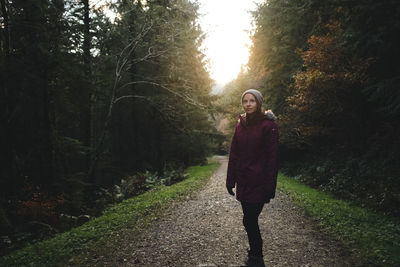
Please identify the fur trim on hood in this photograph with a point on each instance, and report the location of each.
(270, 115)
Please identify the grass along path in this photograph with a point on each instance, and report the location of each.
(105, 229)
(375, 237)
(207, 230)
(289, 237)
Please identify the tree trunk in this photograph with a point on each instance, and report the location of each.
(86, 36)
(6, 158)
(38, 90)
(89, 96)
(6, 28)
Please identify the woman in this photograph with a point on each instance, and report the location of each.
(252, 167)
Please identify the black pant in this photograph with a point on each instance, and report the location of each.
(251, 211)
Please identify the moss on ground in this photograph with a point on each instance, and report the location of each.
(375, 237)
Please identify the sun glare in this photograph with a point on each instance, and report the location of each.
(226, 23)
(227, 53)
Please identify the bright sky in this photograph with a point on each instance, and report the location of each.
(226, 23)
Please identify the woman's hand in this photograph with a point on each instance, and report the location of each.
(230, 190)
(269, 196)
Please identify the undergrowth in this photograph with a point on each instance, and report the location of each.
(121, 216)
(375, 237)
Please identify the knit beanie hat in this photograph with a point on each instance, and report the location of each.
(256, 94)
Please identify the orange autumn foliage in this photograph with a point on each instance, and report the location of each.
(41, 206)
(324, 91)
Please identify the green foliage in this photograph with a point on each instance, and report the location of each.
(370, 33)
(141, 182)
(121, 216)
(375, 237)
(172, 176)
(172, 89)
(280, 28)
(134, 185)
(328, 70)
(359, 178)
(85, 102)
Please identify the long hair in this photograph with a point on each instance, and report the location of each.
(257, 116)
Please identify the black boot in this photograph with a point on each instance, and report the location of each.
(254, 261)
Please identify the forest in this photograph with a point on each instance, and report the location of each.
(95, 110)
(329, 70)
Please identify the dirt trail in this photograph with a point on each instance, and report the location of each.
(207, 230)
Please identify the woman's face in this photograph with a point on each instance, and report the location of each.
(249, 103)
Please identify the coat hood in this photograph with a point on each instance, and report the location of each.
(268, 114)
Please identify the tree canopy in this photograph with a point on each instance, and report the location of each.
(86, 101)
(328, 70)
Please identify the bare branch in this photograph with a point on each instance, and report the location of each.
(131, 46)
(148, 56)
(130, 96)
(182, 96)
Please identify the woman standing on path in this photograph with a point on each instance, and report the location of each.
(252, 167)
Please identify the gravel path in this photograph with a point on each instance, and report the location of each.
(206, 230)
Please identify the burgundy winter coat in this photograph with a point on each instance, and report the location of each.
(253, 160)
